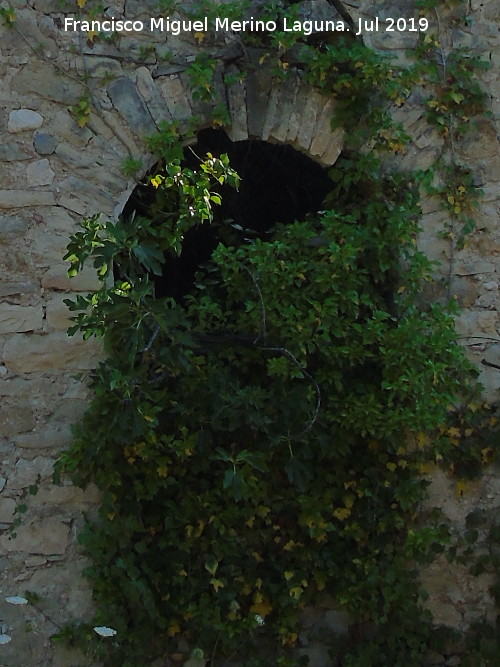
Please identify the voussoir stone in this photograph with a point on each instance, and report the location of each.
(131, 106)
(24, 119)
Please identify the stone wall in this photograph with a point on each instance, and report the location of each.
(54, 172)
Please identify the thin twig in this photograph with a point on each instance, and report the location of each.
(151, 340)
(262, 332)
(305, 373)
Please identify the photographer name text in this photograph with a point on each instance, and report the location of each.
(177, 26)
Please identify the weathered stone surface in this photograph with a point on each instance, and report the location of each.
(57, 312)
(271, 114)
(175, 97)
(84, 190)
(11, 227)
(57, 278)
(16, 418)
(151, 95)
(236, 95)
(297, 113)
(62, 495)
(44, 143)
(20, 318)
(476, 322)
(258, 89)
(21, 198)
(40, 78)
(63, 126)
(48, 537)
(131, 106)
(39, 173)
(100, 67)
(21, 120)
(70, 410)
(314, 105)
(74, 156)
(474, 267)
(322, 131)
(333, 148)
(26, 472)
(51, 353)
(11, 151)
(481, 142)
(288, 93)
(48, 439)
(7, 507)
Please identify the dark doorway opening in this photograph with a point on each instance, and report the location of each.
(278, 185)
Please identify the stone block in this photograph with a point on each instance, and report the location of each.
(131, 106)
(47, 537)
(74, 157)
(50, 353)
(236, 95)
(295, 120)
(63, 126)
(258, 88)
(44, 144)
(312, 110)
(26, 472)
(474, 267)
(57, 278)
(473, 323)
(87, 192)
(7, 508)
(480, 142)
(15, 319)
(333, 148)
(39, 77)
(21, 120)
(323, 129)
(15, 419)
(288, 93)
(63, 495)
(39, 173)
(48, 439)
(21, 198)
(12, 151)
(175, 97)
(270, 118)
(151, 95)
(57, 312)
(12, 227)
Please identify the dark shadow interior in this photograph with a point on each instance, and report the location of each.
(278, 185)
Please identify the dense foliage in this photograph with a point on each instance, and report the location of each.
(253, 442)
(259, 443)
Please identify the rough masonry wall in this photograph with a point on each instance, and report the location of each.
(54, 172)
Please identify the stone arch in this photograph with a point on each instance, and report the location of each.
(290, 112)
